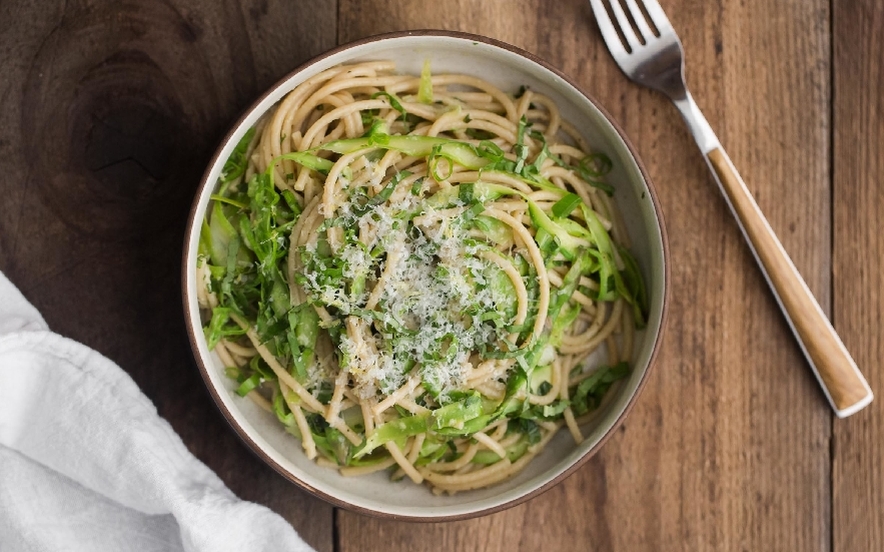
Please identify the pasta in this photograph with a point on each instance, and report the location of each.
(410, 273)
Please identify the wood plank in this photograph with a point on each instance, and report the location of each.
(109, 115)
(728, 446)
(858, 250)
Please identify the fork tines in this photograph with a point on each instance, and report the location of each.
(644, 21)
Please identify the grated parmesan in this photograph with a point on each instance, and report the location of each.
(434, 290)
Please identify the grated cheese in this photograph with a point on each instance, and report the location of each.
(434, 292)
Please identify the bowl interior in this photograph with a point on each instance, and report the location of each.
(376, 494)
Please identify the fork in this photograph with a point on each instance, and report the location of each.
(647, 49)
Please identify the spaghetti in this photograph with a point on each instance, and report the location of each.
(411, 273)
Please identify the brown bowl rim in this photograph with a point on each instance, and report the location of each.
(257, 450)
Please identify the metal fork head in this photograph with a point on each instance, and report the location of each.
(643, 43)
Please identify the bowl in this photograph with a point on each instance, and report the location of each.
(509, 68)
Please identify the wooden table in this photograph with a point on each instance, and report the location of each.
(110, 111)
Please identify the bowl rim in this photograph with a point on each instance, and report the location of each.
(193, 225)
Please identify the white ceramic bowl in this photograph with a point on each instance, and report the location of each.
(509, 68)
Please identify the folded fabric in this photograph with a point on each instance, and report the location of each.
(86, 463)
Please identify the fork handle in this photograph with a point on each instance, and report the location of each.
(844, 385)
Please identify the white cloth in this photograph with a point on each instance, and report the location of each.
(86, 463)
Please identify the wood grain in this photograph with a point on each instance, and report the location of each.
(858, 264)
(728, 447)
(110, 112)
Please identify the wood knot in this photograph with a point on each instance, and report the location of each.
(118, 127)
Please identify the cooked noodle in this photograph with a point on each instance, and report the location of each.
(411, 273)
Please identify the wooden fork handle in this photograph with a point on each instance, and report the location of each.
(844, 385)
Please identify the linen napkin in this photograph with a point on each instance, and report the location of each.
(86, 463)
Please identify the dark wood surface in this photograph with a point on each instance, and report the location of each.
(858, 264)
(109, 112)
